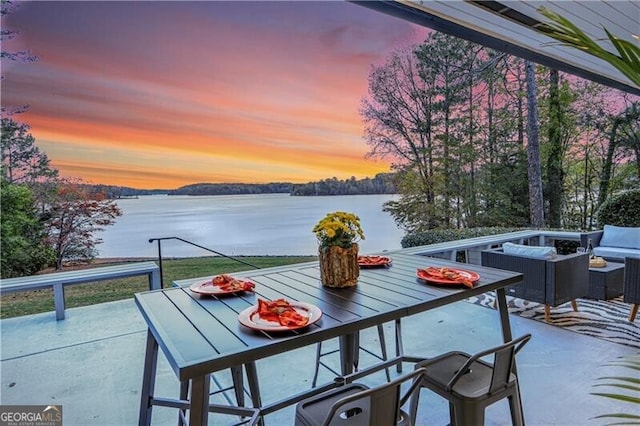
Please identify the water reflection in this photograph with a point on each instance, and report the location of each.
(271, 224)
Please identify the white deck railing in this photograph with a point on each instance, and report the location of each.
(473, 246)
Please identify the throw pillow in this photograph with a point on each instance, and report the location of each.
(529, 251)
(620, 236)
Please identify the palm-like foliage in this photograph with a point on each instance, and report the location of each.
(627, 61)
(630, 384)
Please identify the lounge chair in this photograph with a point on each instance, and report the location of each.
(551, 281)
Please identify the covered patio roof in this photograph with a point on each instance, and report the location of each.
(510, 26)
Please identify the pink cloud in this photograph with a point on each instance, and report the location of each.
(275, 86)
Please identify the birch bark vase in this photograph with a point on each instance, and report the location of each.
(339, 266)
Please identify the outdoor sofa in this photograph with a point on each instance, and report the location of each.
(548, 278)
(613, 243)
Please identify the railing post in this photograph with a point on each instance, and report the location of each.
(159, 240)
(151, 240)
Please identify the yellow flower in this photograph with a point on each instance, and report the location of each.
(339, 229)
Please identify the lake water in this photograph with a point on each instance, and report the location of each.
(268, 224)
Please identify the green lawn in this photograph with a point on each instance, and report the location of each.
(32, 302)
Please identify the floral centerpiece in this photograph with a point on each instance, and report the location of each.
(338, 234)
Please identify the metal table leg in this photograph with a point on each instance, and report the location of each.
(254, 387)
(148, 380)
(399, 346)
(199, 403)
(507, 336)
(238, 384)
(184, 395)
(504, 315)
(348, 350)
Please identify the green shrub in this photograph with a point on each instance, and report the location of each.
(622, 209)
(443, 235)
(435, 236)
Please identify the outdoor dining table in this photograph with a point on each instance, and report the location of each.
(200, 334)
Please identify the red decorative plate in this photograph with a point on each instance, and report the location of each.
(208, 288)
(251, 318)
(374, 261)
(469, 275)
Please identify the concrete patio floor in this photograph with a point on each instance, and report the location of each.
(91, 364)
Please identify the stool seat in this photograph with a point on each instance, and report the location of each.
(476, 384)
(471, 384)
(313, 411)
(358, 405)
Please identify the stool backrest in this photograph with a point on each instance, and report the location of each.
(503, 361)
(378, 406)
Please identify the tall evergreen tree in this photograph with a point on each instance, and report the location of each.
(555, 172)
(22, 160)
(446, 62)
(418, 113)
(625, 134)
(536, 201)
(24, 251)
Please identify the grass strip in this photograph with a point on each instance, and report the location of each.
(37, 301)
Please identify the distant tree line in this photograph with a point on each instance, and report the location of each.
(382, 183)
(232, 188)
(114, 191)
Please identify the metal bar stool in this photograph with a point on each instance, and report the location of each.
(382, 356)
(470, 384)
(356, 404)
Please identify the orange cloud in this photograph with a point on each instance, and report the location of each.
(163, 94)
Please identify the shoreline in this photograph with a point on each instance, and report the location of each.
(103, 260)
(110, 260)
(126, 258)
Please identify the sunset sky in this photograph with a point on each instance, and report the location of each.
(162, 94)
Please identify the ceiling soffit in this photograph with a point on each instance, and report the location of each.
(510, 26)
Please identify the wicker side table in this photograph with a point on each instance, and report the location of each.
(606, 283)
(632, 284)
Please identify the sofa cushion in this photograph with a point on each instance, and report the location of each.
(620, 236)
(615, 253)
(529, 251)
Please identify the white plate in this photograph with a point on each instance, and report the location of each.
(208, 288)
(250, 317)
